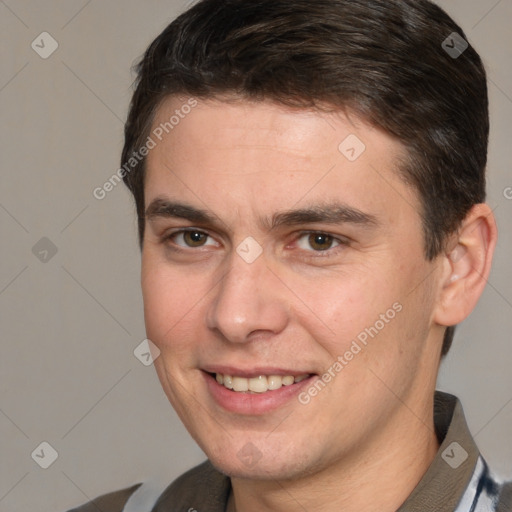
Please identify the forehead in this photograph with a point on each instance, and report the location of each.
(243, 122)
(262, 154)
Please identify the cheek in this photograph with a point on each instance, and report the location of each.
(338, 307)
(172, 302)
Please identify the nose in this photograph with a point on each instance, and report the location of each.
(248, 302)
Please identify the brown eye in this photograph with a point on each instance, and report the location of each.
(320, 241)
(194, 238)
(191, 238)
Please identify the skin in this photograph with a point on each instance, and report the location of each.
(366, 439)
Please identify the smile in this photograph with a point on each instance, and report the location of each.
(258, 384)
(255, 391)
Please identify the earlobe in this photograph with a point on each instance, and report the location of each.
(467, 264)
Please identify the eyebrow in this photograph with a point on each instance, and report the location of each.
(330, 213)
(169, 209)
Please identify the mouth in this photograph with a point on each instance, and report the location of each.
(255, 392)
(257, 384)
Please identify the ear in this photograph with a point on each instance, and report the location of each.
(467, 264)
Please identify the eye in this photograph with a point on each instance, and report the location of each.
(191, 238)
(317, 241)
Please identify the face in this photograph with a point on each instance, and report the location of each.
(281, 260)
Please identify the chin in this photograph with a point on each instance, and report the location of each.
(235, 469)
(269, 463)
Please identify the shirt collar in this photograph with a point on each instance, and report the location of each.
(443, 485)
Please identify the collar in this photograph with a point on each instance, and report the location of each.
(444, 484)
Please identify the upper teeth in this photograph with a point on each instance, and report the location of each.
(258, 384)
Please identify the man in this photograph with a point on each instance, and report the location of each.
(309, 180)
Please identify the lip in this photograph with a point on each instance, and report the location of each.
(254, 371)
(254, 403)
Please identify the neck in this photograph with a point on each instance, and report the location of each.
(378, 476)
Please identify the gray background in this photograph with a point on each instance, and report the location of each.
(69, 324)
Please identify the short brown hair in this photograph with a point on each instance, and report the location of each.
(384, 60)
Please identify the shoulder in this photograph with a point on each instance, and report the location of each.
(201, 488)
(505, 499)
(111, 502)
